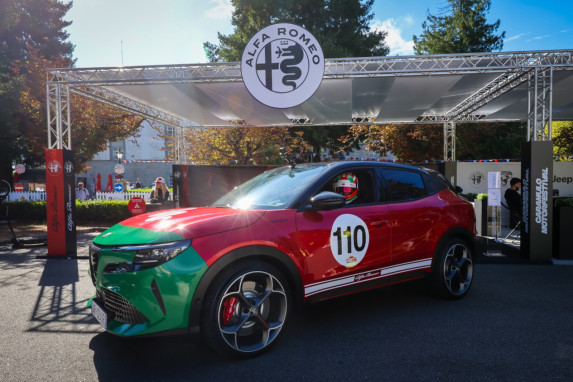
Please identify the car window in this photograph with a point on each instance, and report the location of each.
(402, 185)
(364, 192)
(273, 189)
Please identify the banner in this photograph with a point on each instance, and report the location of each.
(61, 203)
(537, 196)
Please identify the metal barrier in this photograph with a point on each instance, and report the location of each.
(32, 196)
(122, 195)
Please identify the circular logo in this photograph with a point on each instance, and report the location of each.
(54, 168)
(476, 178)
(282, 65)
(68, 167)
(349, 239)
(119, 169)
(20, 168)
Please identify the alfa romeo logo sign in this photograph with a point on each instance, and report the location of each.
(282, 65)
(54, 167)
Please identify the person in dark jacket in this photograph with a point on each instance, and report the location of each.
(159, 193)
(513, 199)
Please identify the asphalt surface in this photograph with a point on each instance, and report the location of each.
(516, 324)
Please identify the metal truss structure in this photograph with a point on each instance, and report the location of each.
(449, 141)
(514, 68)
(539, 105)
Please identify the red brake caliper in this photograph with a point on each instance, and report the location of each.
(229, 309)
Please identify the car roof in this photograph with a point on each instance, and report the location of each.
(346, 164)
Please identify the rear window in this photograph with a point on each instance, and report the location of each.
(403, 185)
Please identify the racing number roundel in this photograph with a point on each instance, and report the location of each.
(349, 239)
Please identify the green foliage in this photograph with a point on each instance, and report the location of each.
(102, 211)
(27, 27)
(462, 30)
(562, 132)
(108, 211)
(481, 196)
(496, 140)
(564, 202)
(341, 26)
(469, 196)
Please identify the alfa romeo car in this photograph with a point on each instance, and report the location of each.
(233, 272)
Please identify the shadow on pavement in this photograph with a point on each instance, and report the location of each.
(57, 307)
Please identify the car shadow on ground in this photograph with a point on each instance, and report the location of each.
(323, 332)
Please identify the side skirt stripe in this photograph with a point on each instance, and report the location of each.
(358, 278)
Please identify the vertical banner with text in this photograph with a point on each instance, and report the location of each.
(60, 203)
(537, 194)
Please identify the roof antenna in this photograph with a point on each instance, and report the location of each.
(290, 161)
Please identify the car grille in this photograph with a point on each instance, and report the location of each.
(121, 310)
(94, 259)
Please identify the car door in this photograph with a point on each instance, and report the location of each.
(411, 215)
(340, 246)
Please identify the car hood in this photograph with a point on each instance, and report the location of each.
(177, 224)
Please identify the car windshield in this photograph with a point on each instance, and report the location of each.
(273, 189)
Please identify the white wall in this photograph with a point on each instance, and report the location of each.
(147, 146)
(472, 176)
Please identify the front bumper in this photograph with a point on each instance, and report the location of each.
(147, 301)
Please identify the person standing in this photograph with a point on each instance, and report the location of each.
(159, 193)
(82, 194)
(513, 199)
(137, 184)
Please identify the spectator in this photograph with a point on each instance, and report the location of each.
(513, 199)
(137, 184)
(82, 194)
(159, 193)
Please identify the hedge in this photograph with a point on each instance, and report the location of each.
(108, 211)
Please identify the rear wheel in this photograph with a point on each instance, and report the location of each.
(246, 309)
(452, 270)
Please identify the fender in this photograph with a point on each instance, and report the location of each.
(271, 255)
(460, 232)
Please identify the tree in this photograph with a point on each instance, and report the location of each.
(563, 139)
(25, 25)
(33, 40)
(463, 30)
(341, 26)
(242, 145)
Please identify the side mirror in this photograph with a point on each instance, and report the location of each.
(327, 200)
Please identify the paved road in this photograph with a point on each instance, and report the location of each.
(515, 325)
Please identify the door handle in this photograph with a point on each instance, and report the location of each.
(379, 223)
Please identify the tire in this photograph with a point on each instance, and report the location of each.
(452, 270)
(246, 309)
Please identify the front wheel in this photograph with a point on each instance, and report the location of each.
(452, 270)
(246, 309)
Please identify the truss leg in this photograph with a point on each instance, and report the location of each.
(539, 117)
(59, 127)
(449, 141)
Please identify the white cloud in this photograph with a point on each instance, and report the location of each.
(397, 44)
(221, 9)
(516, 37)
(539, 37)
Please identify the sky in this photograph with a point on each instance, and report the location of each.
(111, 33)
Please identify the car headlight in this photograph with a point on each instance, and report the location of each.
(147, 256)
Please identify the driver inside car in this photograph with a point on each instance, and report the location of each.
(346, 184)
